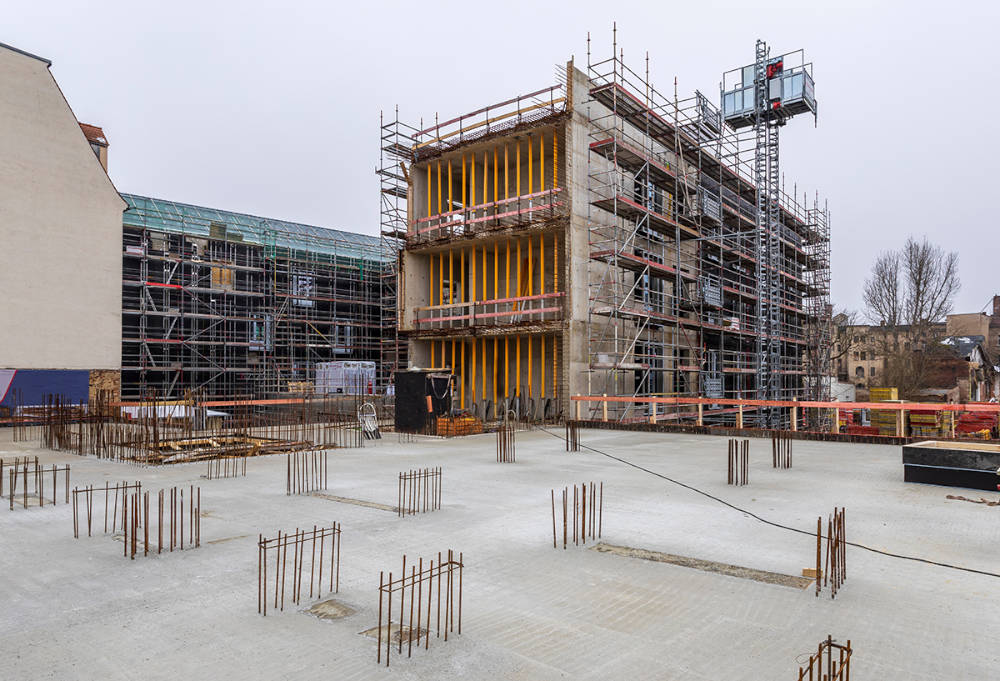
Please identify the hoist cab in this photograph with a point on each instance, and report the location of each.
(789, 90)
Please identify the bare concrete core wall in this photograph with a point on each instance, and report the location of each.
(60, 216)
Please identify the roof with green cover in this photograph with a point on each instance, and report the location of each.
(183, 218)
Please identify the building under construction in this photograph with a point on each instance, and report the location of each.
(600, 237)
(229, 305)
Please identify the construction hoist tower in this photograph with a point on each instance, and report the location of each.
(762, 97)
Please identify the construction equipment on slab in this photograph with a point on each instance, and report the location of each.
(18, 473)
(368, 422)
(739, 462)
(580, 521)
(419, 491)
(781, 450)
(306, 472)
(317, 540)
(831, 662)
(413, 593)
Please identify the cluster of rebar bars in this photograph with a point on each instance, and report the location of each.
(137, 516)
(317, 539)
(419, 491)
(739, 462)
(836, 552)
(20, 469)
(227, 467)
(822, 665)
(158, 432)
(581, 521)
(572, 436)
(781, 450)
(120, 489)
(448, 570)
(505, 442)
(307, 472)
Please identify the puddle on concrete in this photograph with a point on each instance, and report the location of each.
(330, 610)
(707, 566)
(396, 632)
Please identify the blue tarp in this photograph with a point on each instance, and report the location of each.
(33, 386)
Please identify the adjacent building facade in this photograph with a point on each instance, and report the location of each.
(60, 263)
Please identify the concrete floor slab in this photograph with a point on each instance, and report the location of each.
(78, 609)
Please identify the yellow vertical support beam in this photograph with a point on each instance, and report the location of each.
(506, 366)
(541, 163)
(452, 355)
(517, 367)
(555, 159)
(496, 356)
(531, 376)
(432, 354)
(496, 269)
(541, 360)
(428, 190)
(485, 247)
(507, 290)
(444, 350)
(430, 279)
(472, 370)
(451, 276)
(555, 375)
(486, 178)
(439, 187)
(464, 206)
(517, 290)
(472, 274)
(506, 184)
(461, 273)
(484, 372)
(472, 179)
(555, 262)
(441, 278)
(541, 264)
(517, 168)
(450, 203)
(531, 179)
(461, 388)
(531, 269)
(496, 177)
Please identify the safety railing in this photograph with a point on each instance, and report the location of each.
(492, 215)
(499, 312)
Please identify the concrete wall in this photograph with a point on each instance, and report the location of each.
(61, 227)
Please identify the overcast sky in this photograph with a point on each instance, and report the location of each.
(273, 108)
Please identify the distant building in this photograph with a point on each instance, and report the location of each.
(973, 339)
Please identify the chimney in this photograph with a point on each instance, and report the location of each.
(996, 306)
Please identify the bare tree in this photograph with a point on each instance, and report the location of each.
(908, 294)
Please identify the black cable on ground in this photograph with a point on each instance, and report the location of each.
(753, 515)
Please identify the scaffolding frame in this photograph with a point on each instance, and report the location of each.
(700, 284)
(231, 305)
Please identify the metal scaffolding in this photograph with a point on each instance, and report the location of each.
(230, 305)
(707, 279)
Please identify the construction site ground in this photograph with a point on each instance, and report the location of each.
(76, 608)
